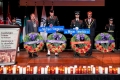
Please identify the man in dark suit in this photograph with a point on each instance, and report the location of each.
(90, 23)
(110, 28)
(52, 21)
(32, 26)
(76, 24)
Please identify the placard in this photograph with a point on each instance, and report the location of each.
(72, 31)
(8, 45)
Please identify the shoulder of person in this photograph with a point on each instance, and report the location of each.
(80, 20)
(28, 20)
(94, 19)
(85, 19)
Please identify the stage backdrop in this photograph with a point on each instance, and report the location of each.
(62, 2)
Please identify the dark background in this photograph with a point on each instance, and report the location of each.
(66, 14)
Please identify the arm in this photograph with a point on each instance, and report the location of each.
(57, 21)
(95, 24)
(47, 22)
(71, 25)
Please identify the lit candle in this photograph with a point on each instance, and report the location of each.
(97, 70)
(85, 70)
(31, 70)
(89, 71)
(71, 70)
(92, 67)
(93, 70)
(14, 70)
(115, 71)
(106, 70)
(46, 70)
(39, 70)
(118, 70)
(4, 70)
(66, 70)
(52, 71)
(56, 70)
(17, 70)
(0, 70)
(35, 70)
(27, 70)
(42, 70)
(10, 70)
(80, 70)
(24, 70)
(20, 70)
(110, 71)
(77, 71)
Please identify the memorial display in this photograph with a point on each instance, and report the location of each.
(33, 42)
(8, 44)
(104, 42)
(80, 43)
(56, 42)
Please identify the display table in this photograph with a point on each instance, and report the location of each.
(60, 77)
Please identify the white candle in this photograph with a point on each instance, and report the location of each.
(18, 66)
(56, 70)
(4, 70)
(47, 66)
(66, 70)
(35, 70)
(88, 66)
(14, 70)
(118, 70)
(110, 66)
(74, 70)
(28, 65)
(42, 70)
(20, 70)
(84, 66)
(101, 70)
(92, 67)
(46, 70)
(24, 70)
(106, 70)
(93, 70)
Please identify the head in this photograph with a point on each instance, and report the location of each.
(89, 14)
(51, 12)
(13, 19)
(110, 20)
(77, 14)
(32, 16)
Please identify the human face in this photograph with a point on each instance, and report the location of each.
(51, 14)
(13, 20)
(32, 17)
(89, 15)
(111, 22)
(77, 16)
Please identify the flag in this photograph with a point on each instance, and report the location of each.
(8, 16)
(1, 19)
(43, 23)
(26, 17)
(35, 12)
(18, 21)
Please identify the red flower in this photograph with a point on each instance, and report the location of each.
(56, 51)
(48, 45)
(105, 50)
(77, 50)
(34, 50)
(41, 44)
(63, 46)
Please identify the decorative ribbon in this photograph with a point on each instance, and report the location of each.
(81, 42)
(56, 41)
(32, 42)
(106, 41)
(105, 36)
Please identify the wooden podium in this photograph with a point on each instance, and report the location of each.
(9, 38)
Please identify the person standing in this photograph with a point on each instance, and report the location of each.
(51, 21)
(90, 23)
(110, 28)
(76, 24)
(32, 26)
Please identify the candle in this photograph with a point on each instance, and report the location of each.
(10, 70)
(27, 70)
(17, 70)
(20, 70)
(84, 70)
(110, 71)
(31, 70)
(118, 70)
(35, 70)
(46, 70)
(52, 71)
(66, 70)
(24, 70)
(47, 66)
(88, 70)
(39, 70)
(110, 66)
(71, 70)
(74, 69)
(101, 70)
(0, 70)
(106, 70)
(80, 70)
(115, 71)
(14, 70)
(97, 70)
(4, 70)
(42, 70)
(93, 70)
(92, 67)
(77, 71)
(75, 66)
(56, 70)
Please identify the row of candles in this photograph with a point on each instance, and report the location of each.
(59, 70)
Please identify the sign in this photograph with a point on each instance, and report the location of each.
(72, 31)
(8, 45)
(51, 29)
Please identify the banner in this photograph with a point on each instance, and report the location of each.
(8, 45)
(51, 29)
(72, 31)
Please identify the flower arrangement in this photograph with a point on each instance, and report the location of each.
(33, 42)
(56, 42)
(104, 42)
(80, 43)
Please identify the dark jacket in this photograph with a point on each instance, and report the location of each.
(54, 21)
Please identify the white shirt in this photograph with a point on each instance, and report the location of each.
(89, 20)
(77, 19)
